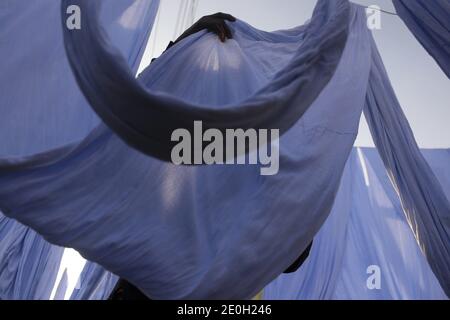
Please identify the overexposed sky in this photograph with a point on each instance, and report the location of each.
(422, 88)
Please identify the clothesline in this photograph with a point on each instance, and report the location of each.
(384, 11)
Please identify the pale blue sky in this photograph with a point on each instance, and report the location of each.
(422, 88)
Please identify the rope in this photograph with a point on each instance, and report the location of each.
(381, 10)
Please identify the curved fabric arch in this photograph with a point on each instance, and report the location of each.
(199, 231)
(146, 120)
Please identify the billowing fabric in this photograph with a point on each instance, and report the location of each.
(367, 227)
(424, 202)
(42, 108)
(429, 21)
(146, 119)
(221, 231)
(200, 232)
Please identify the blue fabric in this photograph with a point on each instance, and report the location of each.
(366, 227)
(204, 232)
(62, 287)
(54, 112)
(429, 21)
(146, 119)
(28, 263)
(424, 202)
(213, 231)
(42, 108)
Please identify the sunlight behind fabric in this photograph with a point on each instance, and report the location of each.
(146, 120)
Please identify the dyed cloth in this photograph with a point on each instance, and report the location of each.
(288, 70)
(216, 231)
(429, 21)
(366, 227)
(42, 108)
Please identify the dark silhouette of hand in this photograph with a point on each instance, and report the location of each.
(214, 23)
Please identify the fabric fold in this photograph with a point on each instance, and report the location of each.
(28, 263)
(429, 21)
(146, 120)
(42, 109)
(209, 231)
(424, 202)
(366, 230)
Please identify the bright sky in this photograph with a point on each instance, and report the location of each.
(422, 88)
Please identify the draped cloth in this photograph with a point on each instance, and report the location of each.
(366, 227)
(146, 120)
(424, 202)
(28, 263)
(213, 231)
(42, 108)
(95, 283)
(202, 231)
(429, 21)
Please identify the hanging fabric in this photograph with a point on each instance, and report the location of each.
(429, 21)
(28, 263)
(212, 231)
(95, 283)
(366, 232)
(42, 108)
(146, 120)
(424, 202)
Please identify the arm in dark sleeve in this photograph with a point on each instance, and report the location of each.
(298, 263)
(215, 23)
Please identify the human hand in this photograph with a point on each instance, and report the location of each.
(213, 23)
